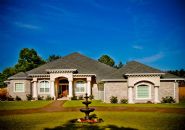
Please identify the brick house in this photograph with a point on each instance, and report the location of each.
(76, 74)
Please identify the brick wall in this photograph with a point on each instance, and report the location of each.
(22, 95)
(118, 89)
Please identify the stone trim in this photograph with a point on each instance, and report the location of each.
(39, 75)
(110, 80)
(60, 70)
(83, 75)
(144, 74)
(172, 79)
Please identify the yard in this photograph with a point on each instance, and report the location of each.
(13, 105)
(98, 103)
(122, 120)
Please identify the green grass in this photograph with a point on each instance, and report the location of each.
(12, 105)
(78, 103)
(112, 120)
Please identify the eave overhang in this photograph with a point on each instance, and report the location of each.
(61, 70)
(111, 80)
(144, 74)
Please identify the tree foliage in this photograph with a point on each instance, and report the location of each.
(119, 65)
(53, 57)
(28, 59)
(180, 73)
(109, 61)
(106, 60)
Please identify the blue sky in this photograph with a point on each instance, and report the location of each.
(149, 31)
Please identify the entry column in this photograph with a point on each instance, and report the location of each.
(52, 84)
(130, 95)
(156, 91)
(70, 88)
(88, 86)
(34, 89)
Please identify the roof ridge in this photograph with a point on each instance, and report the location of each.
(77, 53)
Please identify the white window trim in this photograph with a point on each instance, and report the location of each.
(148, 98)
(85, 88)
(19, 83)
(39, 84)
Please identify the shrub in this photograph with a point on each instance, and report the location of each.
(168, 99)
(48, 97)
(40, 98)
(29, 97)
(10, 98)
(3, 94)
(113, 99)
(17, 98)
(149, 102)
(74, 98)
(91, 97)
(124, 101)
(80, 97)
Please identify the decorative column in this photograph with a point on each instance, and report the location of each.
(88, 86)
(34, 89)
(174, 89)
(52, 89)
(130, 95)
(70, 88)
(156, 91)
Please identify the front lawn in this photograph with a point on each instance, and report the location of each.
(112, 121)
(12, 105)
(95, 103)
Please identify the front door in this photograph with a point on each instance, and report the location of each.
(62, 91)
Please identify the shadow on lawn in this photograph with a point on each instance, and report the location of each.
(84, 126)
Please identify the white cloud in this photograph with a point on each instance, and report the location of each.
(137, 47)
(152, 58)
(27, 26)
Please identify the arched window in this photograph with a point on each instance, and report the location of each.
(44, 86)
(143, 91)
(80, 86)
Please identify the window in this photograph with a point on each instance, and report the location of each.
(80, 86)
(19, 87)
(44, 87)
(143, 92)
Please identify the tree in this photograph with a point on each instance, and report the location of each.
(5, 74)
(180, 73)
(28, 59)
(120, 64)
(52, 58)
(106, 60)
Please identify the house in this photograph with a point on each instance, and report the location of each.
(76, 74)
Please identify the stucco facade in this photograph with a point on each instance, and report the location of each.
(22, 95)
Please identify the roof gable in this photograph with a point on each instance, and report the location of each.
(83, 64)
(136, 67)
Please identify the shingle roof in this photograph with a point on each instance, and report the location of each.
(136, 67)
(86, 65)
(20, 75)
(168, 75)
(83, 64)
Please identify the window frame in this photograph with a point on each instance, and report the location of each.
(44, 87)
(85, 86)
(19, 83)
(149, 96)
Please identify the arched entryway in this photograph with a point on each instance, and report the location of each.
(63, 87)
